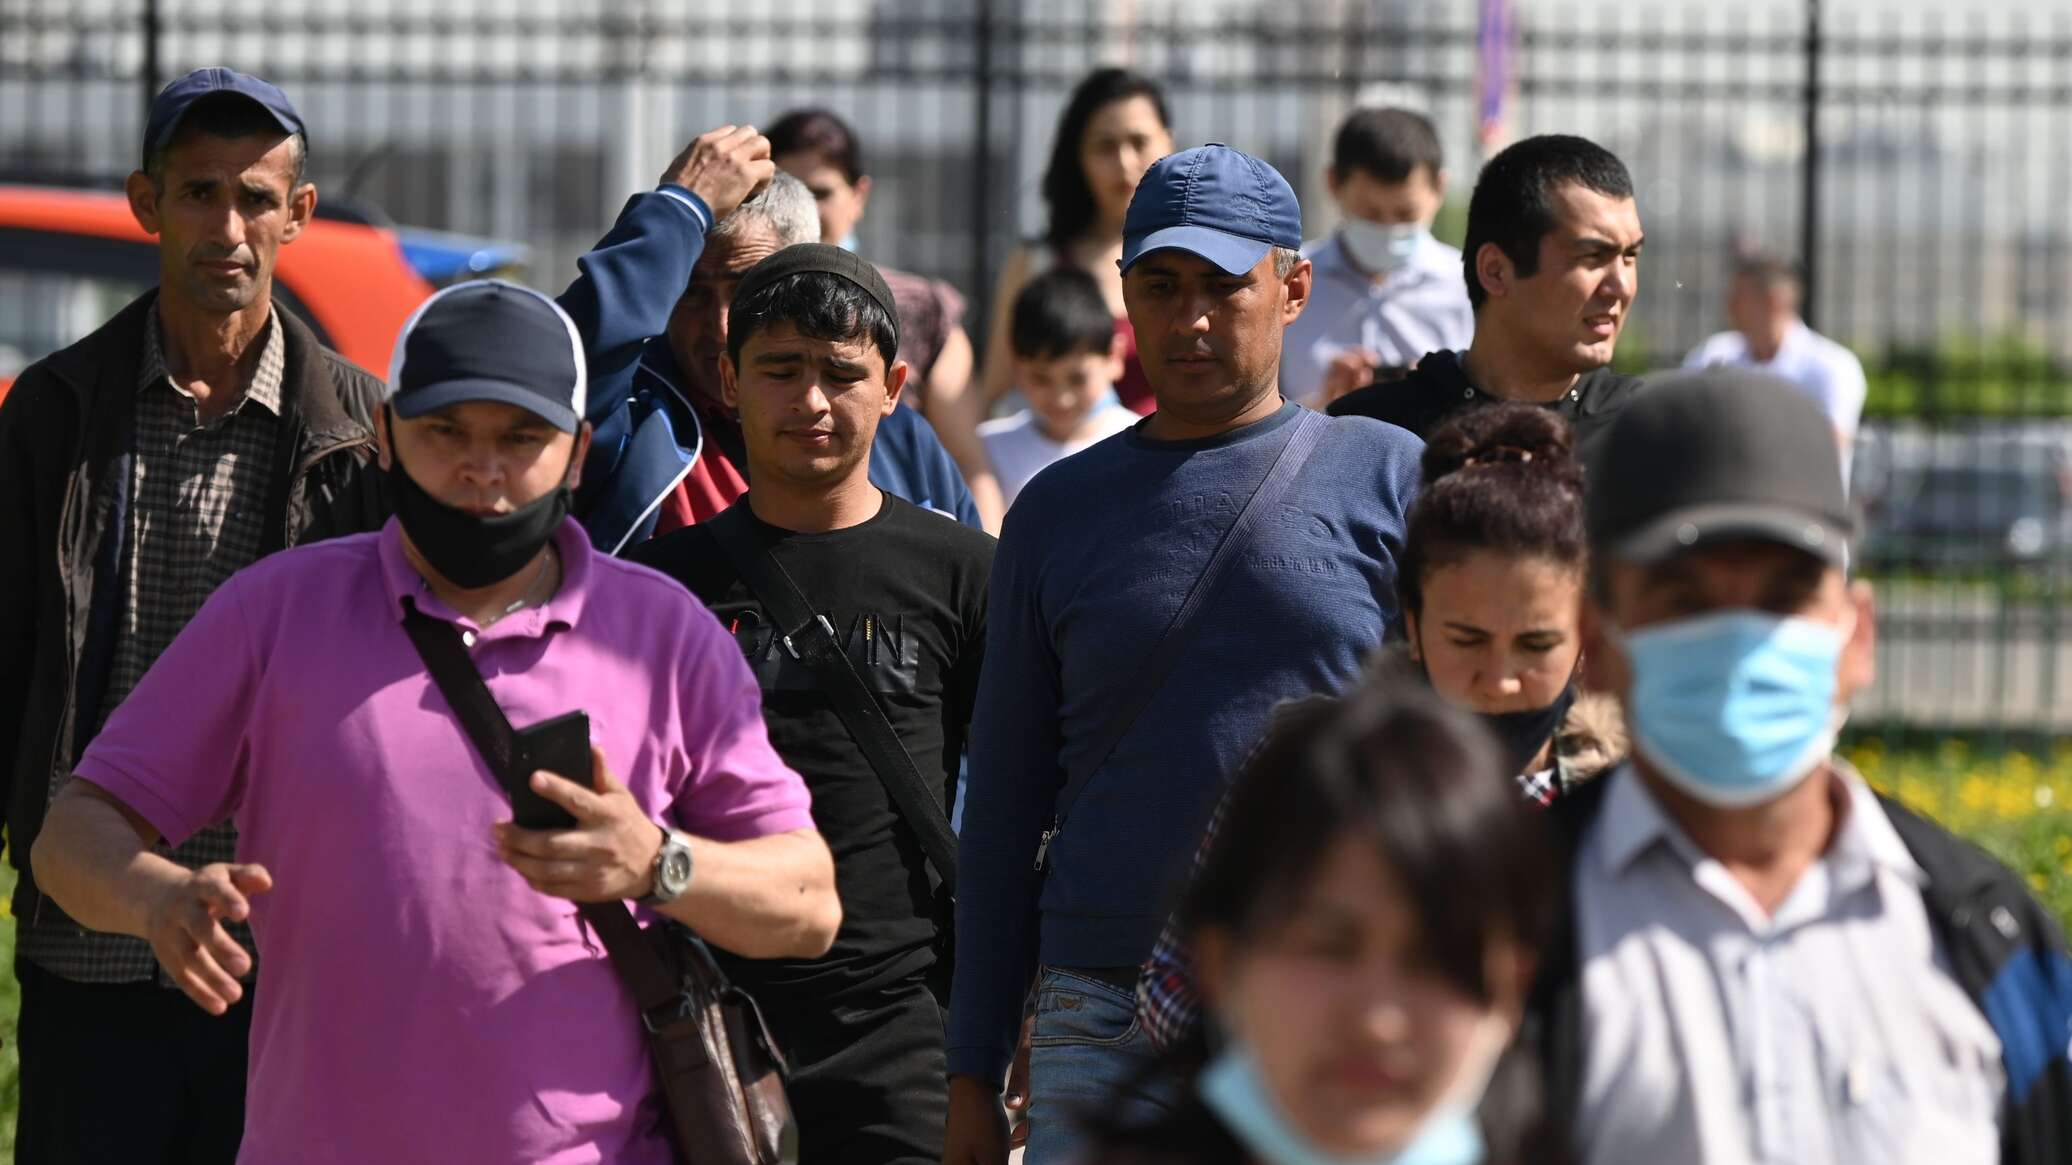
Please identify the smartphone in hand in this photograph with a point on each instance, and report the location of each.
(560, 746)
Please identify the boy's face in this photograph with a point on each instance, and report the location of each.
(809, 408)
(1415, 199)
(1062, 390)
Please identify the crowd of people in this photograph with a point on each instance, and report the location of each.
(1381, 732)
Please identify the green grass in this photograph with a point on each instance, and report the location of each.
(10, 1012)
(2003, 376)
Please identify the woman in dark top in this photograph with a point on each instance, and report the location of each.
(1365, 923)
(1114, 126)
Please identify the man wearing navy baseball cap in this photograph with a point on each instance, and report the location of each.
(195, 432)
(1152, 599)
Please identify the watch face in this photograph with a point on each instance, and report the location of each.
(676, 869)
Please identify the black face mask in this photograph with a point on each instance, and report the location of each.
(471, 550)
(1523, 733)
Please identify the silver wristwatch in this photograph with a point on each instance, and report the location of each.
(672, 869)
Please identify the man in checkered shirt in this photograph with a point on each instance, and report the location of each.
(195, 432)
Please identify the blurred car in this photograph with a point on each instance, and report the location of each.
(446, 258)
(72, 256)
(1987, 496)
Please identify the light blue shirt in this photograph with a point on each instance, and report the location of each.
(1421, 308)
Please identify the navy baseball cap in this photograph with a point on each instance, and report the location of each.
(1221, 204)
(173, 102)
(495, 341)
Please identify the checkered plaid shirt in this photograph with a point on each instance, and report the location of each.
(197, 516)
(1168, 1009)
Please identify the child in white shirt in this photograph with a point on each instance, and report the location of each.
(1067, 359)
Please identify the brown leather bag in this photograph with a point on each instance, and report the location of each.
(721, 1075)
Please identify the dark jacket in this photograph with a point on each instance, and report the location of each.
(66, 453)
(1437, 390)
(2005, 950)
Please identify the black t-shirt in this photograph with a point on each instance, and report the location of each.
(1437, 390)
(906, 592)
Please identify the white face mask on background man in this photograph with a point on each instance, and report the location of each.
(1382, 248)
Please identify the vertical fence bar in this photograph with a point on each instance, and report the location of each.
(982, 173)
(151, 63)
(1809, 193)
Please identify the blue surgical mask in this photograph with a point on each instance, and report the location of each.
(1736, 707)
(1382, 248)
(1235, 1091)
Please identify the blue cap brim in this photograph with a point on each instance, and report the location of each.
(1231, 254)
(433, 397)
(171, 129)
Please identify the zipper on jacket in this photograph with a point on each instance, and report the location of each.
(1043, 843)
(69, 663)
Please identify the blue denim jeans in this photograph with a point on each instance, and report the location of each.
(1086, 1055)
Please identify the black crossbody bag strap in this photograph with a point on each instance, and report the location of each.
(811, 640)
(1152, 674)
(446, 658)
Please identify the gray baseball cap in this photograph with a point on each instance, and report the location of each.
(1704, 456)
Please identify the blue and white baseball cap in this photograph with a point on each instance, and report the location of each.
(1224, 205)
(494, 341)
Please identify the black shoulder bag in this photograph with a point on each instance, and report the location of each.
(811, 639)
(722, 1077)
(1151, 675)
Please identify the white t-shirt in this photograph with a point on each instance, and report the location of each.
(1821, 368)
(1019, 448)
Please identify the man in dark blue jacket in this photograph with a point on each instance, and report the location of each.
(650, 302)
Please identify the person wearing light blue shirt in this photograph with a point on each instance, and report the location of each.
(1386, 292)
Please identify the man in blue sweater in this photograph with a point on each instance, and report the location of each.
(1095, 562)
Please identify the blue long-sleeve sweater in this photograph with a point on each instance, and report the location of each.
(1097, 554)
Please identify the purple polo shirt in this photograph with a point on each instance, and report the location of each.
(419, 1002)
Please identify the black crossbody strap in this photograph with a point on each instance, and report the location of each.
(1151, 675)
(811, 639)
(457, 678)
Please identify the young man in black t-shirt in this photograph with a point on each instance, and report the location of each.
(1552, 262)
(810, 369)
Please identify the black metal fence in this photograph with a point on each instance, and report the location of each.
(1917, 158)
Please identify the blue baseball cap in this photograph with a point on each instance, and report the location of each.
(173, 102)
(1221, 204)
(495, 341)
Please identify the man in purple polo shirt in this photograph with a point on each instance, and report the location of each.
(429, 993)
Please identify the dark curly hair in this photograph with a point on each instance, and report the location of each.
(1502, 478)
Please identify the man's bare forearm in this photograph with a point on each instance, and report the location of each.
(93, 857)
(766, 898)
